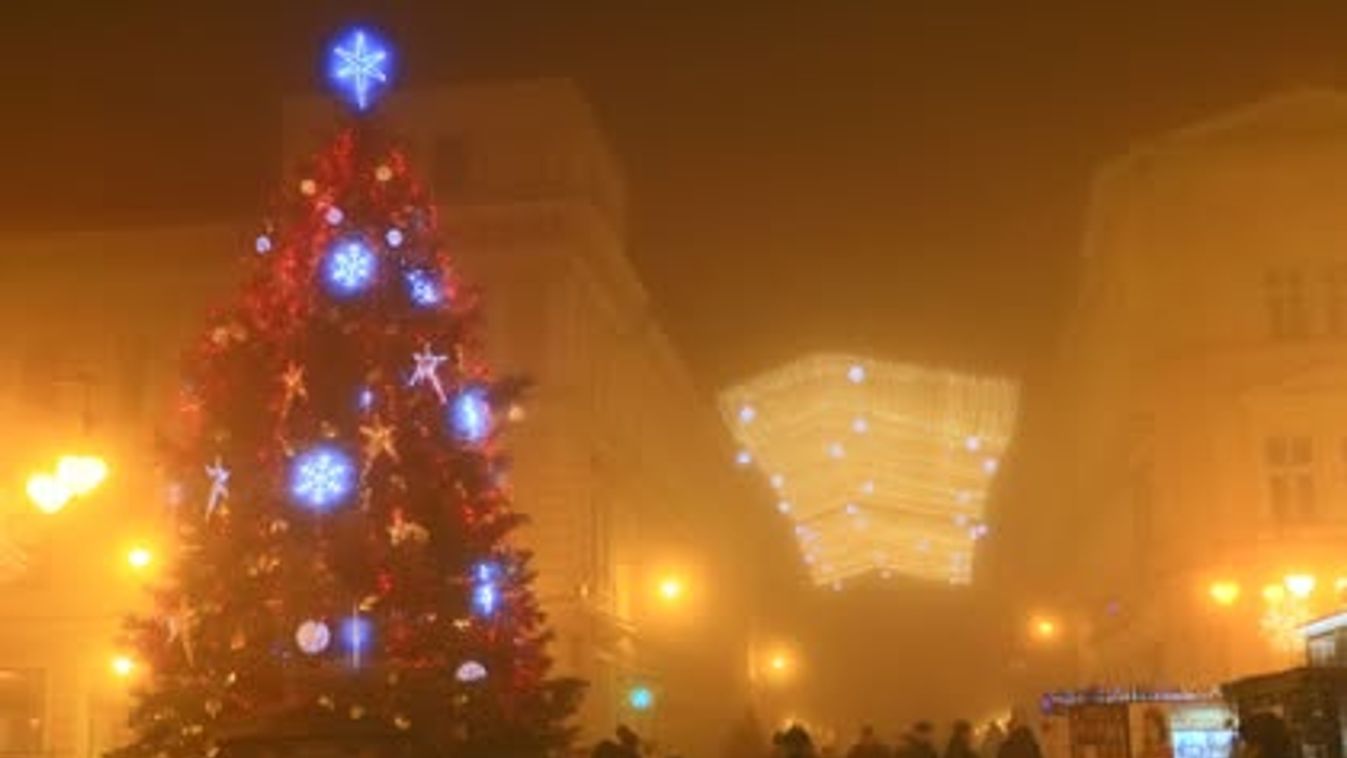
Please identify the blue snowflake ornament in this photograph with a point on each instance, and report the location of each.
(359, 65)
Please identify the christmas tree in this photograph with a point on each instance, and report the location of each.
(342, 499)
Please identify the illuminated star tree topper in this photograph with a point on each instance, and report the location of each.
(358, 66)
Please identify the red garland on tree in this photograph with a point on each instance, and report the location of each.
(343, 516)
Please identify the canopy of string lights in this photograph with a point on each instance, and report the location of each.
(882, 467)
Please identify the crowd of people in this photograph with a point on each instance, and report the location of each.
(1016, 741)
(1262, 735)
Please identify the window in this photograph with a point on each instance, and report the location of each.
(1335, 300)
(1323, 650)
(1284, 291)
(1290, 473)
(450, 167)
(21, 698)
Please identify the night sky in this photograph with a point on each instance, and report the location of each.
(901, 178)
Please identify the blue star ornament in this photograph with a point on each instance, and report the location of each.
(359, 65)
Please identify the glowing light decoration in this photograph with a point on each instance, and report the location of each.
(219, 485)
(470, 415)
(263, 244)
(485, 594)
(671, 589)
(470, 671)
(783, 506)
(747, 413)
(364, 399)
(333, 215)
(123, 666)
(423, 288)
(427, 371)
(48, 493)
(359, 66)
(1300, 585)
(312, 637)
(81, 474)
(139, 557)
(350, 267)
(907, 446)
(322, 477)
(357, 632)
(393, 237)
(1224, 593)
(641, 698)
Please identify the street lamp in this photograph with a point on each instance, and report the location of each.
(671, 589)
(48, 493)
(139, 557)
(122, 666)
(1224, 593)
(74, 476)
(1300, 586)
(81, 473)
(1044, 629)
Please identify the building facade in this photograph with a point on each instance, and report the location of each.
(619, 461)
(1207, 363)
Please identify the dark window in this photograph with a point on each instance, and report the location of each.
(1335, 300)
(450, 170)
(1284, 292)
(21, 712)
(1289, 462)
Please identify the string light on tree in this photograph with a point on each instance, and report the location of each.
(423, 288)
(485, 595)
(470, 415)
(357, 632)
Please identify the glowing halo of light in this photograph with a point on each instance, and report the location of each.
(359, 65)
(349, 267)
(322, 477)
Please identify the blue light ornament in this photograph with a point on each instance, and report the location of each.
(470, 415)
(322, 477)
(349, 267)
(485, 594)
(357, 632)
(423, 288)
(358, 66)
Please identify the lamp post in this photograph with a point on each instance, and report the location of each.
(1225, 595)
